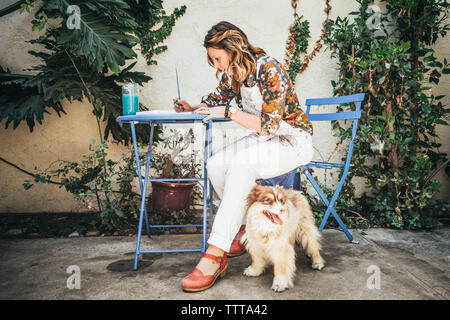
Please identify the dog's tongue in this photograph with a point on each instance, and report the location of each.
(277, 219)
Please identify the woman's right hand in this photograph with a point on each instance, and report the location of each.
(181, 105)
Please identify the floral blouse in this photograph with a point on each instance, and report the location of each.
(280, 101)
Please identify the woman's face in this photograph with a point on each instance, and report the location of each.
(220, 58)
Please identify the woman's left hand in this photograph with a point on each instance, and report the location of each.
(214, 112)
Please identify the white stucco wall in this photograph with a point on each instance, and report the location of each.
(266, 25)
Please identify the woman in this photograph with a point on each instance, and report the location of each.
(281, 141)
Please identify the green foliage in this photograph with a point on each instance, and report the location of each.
(345, 207)
(178, 217)
(177, 160)
(105, 185)
(85, 56)
(102, 33)
(95, 179)
(87, 61)
(395, 148)
(150, 36)
(302, 34)
(20, 101)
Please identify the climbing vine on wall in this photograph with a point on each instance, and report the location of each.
(297, 43)
(390, 57)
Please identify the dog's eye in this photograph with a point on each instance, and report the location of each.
(267, 200)
(281, 199)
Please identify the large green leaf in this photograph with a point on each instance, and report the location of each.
(21, 100)
(75, 58)
(101, 34)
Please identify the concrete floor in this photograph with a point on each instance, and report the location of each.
(412, 265)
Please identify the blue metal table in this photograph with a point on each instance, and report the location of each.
(170, 118)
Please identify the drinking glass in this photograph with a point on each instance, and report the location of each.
(130, 98)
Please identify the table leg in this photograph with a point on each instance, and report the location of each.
(205, 182)
(210, 206)
(143, 187)
(210, 189)
(147, 168)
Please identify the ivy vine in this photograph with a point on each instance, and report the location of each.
(297, 43)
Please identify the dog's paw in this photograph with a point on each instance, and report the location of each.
(252, 272)
(318, 266)
(281, 283)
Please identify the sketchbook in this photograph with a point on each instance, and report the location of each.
(161, 112)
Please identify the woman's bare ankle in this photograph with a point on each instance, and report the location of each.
(212, 249)
(208, 266)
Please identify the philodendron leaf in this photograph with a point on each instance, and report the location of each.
(86, 32)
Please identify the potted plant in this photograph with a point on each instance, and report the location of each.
(174, 164)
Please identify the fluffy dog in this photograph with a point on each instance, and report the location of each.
(276, 218)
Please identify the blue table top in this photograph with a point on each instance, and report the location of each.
(168, 118)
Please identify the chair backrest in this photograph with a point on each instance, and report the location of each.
(358, 98)
(286, 179)
(355, 115)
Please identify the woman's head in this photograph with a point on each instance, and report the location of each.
(229, 50)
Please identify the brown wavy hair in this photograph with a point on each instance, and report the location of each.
(225, 35)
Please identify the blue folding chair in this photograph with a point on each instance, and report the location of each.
(293, 177)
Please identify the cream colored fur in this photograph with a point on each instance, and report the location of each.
(270, 243)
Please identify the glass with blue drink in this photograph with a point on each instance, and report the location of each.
(130, 98)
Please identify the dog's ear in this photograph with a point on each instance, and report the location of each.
(283, 191)
(254, 194)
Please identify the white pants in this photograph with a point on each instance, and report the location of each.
(234, 169)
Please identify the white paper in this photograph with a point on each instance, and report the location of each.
(161, 112)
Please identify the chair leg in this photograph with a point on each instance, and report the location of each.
(330, 208)
(339, 221)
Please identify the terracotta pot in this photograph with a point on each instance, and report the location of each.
(171, 196)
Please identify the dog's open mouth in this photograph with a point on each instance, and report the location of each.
(274, 218)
